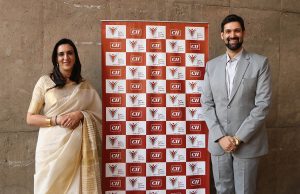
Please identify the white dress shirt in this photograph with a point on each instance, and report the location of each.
(231, 66)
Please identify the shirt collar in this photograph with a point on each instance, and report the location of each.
(236, 57)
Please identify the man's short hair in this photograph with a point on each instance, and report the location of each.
(232, 18)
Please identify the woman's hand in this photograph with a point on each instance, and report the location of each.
(70, 120)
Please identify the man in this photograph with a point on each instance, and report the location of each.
(236, 97)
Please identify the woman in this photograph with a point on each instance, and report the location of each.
(68, 111)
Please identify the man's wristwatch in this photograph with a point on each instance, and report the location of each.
(237, 141)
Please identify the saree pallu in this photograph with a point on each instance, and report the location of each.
(67, 161)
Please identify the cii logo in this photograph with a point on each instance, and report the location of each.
(156, 72)
(115, 100)
(136, 141)
(115, 155)
(175, 32)
(136, 169)
(194, 46)
(195, 127)
(136, 114)
(156, 100)
(195, 154)
(115, 183)
(175, 86)
(135, 32)
(136, 86)
(115, 72)
(156, 127)
(195, 100)
(115, 128)
(155, 183)
(156, 155)
(176, 168)
(115, 45)
(176, 114)
(176, 141)
(136, 59)
(175, 59)
(155, 45)
(195, 182)
(195, 73)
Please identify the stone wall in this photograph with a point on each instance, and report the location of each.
(29, 29)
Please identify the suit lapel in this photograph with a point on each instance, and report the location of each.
(241, 69)
(222, 76)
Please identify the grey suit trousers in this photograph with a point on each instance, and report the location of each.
(234, 175)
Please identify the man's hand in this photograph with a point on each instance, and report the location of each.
(228, 144)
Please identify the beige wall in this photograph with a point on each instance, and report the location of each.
(29, 29)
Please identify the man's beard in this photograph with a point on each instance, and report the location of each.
(236, 46)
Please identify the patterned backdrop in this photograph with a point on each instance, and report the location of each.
(155, 139)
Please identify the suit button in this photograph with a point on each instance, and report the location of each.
(228, 107)
(228, 122)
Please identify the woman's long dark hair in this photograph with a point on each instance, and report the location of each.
(56, 75)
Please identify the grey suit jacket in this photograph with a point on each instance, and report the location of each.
(243, 113)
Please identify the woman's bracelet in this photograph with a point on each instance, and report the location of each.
(48, 122)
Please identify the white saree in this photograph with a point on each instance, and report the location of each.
(67, 161)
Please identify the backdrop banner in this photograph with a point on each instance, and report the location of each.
(154, 136)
